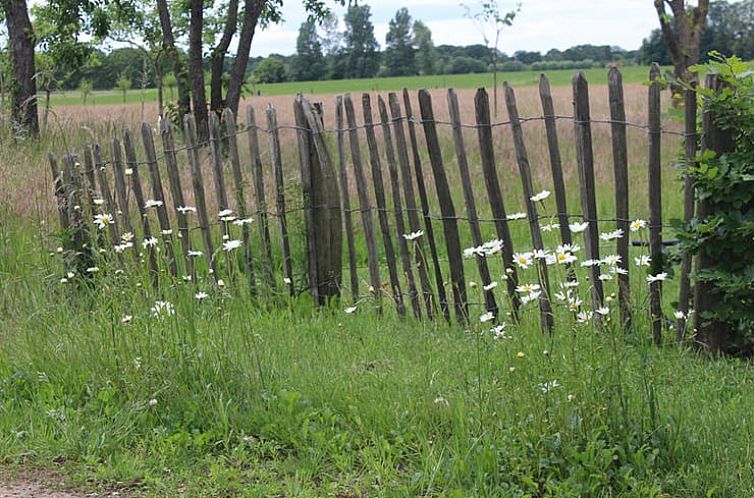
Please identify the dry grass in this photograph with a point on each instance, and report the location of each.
(25, 182)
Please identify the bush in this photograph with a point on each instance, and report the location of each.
(463, 64)
(722, 232)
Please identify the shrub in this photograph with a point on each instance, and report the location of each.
(722, 232)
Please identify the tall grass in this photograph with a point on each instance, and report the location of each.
(234, 395)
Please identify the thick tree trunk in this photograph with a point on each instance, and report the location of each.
(682, 37)
(23, 86)
(252, 11)
(218, 58)
(159, 78)
(179, 68)
(196, 69)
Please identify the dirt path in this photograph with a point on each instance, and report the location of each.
(29, 489)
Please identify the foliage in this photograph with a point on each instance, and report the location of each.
(270, 70)
(359, 44)
(400, 54)
(729, 30)
(124, 84)
(725, 183)
(85, 88)
(426, 54)
(309, 62)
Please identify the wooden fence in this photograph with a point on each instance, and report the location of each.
(419, 259)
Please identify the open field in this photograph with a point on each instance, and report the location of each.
(238, 396)
(631, 74)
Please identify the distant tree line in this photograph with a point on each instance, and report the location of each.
(325, 51)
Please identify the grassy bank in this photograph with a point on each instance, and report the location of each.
(230, 396)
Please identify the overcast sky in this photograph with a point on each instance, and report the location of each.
(540, 25)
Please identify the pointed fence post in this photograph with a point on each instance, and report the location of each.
(585, 160)
(468, 195)
(620, 172)
(495, 195)
(448, 210)
(655, 200)
(522, 158)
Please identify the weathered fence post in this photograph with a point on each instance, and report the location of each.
(345, 198)
(522, 158)
(141, 206)
(159, 195)
(421, 187)
(713, 334)
(258, 175)
(655, 201)
(277, 168)
(448, 210)
(57, 180)
(495, 195)
(379, 195)
(556, 165)
(411, 209)
(325, 230)
(122, 194)
(104, 187)
(620, 171)
(361, 189)
(468, 194)
(176, 192)
(585, 159)
(690, 146)
(395, 189)
(79, 235)
(197, 181)
(238, 184)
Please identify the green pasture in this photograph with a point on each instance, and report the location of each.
(631, 74)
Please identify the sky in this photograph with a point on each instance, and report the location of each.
(539, 26)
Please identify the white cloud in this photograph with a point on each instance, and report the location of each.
(540, 25)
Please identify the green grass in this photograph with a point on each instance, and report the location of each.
(271, 397)
(631, 74)
(238, 397)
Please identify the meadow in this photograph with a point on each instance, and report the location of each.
(233, 395)
(631, 74)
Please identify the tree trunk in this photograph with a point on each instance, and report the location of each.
(23, 86)
(218, 58)
(196, 68)
(252, 11)
(179, 69)
(684, 36)
(712, 334)
(158, 76)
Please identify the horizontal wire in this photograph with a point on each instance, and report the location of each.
(414, 120)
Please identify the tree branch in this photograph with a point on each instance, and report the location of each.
(671, 41)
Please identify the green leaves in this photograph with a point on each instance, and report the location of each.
(724, 184)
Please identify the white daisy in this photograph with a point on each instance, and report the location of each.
(540, 196)
(152, 203)
(657, 278)
(643, 260)
(578, 227)
(103, 220)
(162, 309)
(231, 244)
(413, 235)
(637, 225)
(515, 216)
(608, 236)
(490, 286)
